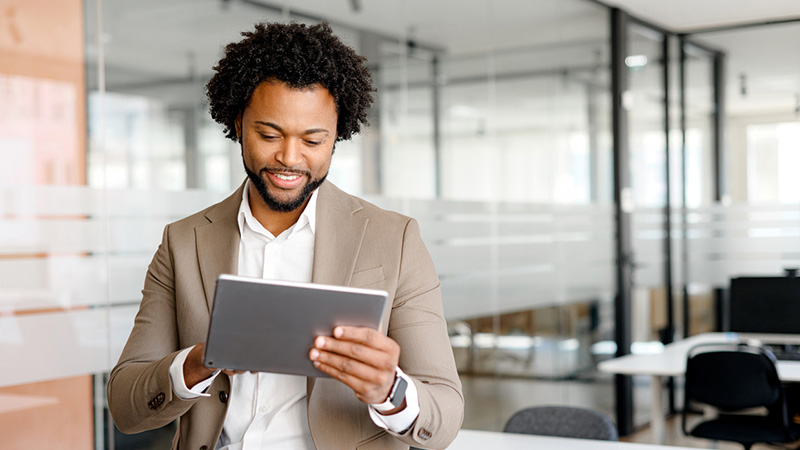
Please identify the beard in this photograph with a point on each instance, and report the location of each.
(278, 205)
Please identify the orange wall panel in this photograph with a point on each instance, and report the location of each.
(50, 414)
(42, 92)
(43, 141)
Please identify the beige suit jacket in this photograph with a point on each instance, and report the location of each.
(357, 244)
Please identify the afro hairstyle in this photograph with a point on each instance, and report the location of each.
(300, 56)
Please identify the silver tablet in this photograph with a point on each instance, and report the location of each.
(269, 326)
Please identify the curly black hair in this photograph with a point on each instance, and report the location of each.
(299, 56)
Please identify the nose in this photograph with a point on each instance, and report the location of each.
(290, 153)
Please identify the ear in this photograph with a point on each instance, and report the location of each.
(238, 125)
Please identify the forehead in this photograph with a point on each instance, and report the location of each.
(276, 99)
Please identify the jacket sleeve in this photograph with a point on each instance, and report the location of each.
(140, 392)
(417, 323)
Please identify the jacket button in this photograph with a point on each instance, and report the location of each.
(223, 396)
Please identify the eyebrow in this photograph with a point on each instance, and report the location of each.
(275, 126)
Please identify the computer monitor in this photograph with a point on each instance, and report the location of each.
(765, 305)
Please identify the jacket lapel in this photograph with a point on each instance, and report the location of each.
(339, 232)
(218, 243)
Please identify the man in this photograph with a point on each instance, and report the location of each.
(287, 94)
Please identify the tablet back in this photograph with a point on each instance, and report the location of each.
(269, 326)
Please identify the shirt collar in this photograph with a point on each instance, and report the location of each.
(245, 215)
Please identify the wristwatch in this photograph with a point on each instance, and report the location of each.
(396, 395)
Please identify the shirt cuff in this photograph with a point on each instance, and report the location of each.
(400, 421)
(178, 382)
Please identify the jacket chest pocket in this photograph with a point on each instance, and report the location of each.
(365, 278)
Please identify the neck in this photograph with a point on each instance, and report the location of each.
(273, 221)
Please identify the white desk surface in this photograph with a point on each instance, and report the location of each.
(672, 361)
(483, 440)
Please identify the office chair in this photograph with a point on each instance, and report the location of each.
(732, 378)
(562, 421)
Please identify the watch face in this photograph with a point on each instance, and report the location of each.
(399, 392)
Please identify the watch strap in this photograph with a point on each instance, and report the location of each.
(396, 394)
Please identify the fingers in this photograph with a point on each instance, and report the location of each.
(350, 367)
(372, 356)
(368, 384)
(362, 358)
(366, 336)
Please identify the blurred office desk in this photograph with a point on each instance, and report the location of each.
(672, 363)
(483, 440)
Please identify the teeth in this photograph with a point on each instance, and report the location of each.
(287, 177)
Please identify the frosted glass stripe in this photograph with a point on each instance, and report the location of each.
(471, 296)
(54, 345)
(120, 325)
(491, 258)
(69, 281)
(28, 201)
(467, 297)
(126, 277)
(44, 200)
(58, 345)
(173, 204)
(744, 245)
(718, 273)
(54, 236)
(28, 236)
(54, 282)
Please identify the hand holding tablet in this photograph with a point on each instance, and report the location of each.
(268, 326)
(362, 358)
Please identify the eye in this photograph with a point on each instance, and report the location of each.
(268, 137)
(313, 143)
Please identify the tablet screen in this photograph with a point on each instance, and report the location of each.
(269, 326)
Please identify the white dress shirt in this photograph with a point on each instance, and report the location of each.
(268, 410)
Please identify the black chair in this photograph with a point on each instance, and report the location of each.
(563, 421)
(732, 379)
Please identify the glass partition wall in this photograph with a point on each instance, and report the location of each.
(501, 149)
(644, 102)
(748, 224)
(504, 157)
(494, 131)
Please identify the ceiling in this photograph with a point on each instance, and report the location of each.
(150, 42)
(441, 22)
(690, 15)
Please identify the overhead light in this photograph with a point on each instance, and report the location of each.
(636, 61)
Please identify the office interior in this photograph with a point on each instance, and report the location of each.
(588, 177)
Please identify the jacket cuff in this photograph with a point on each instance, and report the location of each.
(179, 383)
(401, 421)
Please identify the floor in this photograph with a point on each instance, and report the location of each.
(676, 437)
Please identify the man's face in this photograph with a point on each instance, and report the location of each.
(287, 138)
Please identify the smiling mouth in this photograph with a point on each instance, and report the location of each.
(286, 177)
(286, 180)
